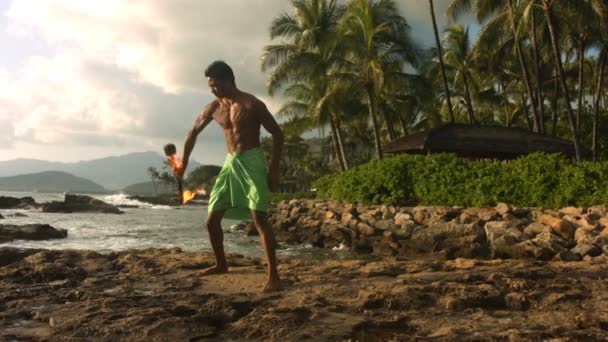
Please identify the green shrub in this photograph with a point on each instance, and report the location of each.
(537, 179)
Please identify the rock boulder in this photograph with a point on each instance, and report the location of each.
(80, 203)
(7, 202)
(10, 232)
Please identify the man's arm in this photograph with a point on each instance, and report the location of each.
(270, 124)
(200, 123)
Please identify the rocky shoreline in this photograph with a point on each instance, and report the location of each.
(435, 273)
(157, 295)
(440, 232)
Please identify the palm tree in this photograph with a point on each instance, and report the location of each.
(548, 9)
(154, 175)
(305, 61)
(537, 70)
(582, 33)
(602, 61)
(458, 57)
(377, 37)
(483, 10)
(440, 55)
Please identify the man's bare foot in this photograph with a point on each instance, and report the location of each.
(272, 286)
(213, 270)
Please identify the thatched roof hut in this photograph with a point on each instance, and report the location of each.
(480, 142)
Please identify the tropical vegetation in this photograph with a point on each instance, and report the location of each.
(352, 69)
(546, 180)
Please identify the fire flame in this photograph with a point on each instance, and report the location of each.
(175, 163)
(187, 196)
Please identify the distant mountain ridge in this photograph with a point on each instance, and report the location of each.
(113, 173)
(50, 181)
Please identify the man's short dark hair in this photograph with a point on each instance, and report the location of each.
(220, 71)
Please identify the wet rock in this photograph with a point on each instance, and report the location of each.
(17, 214)
(7, 202)
(9, 255)
(157, 200)
(80, 203)
(10, 232)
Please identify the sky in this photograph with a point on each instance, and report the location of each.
(81, 80)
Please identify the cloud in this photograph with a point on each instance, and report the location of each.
(53, 96)
(166, 44)
(129, 73)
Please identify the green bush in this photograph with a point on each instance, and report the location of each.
(538, 179)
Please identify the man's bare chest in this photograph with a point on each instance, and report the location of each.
(234, 115)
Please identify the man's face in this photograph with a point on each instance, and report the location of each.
(218, 87)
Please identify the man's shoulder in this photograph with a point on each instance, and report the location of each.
(210, 108)
(213, 105)
(253, 101)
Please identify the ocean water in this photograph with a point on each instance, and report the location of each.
(147, 226)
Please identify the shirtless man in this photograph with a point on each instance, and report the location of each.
(242, 188)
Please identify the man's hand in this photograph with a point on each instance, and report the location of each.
(178, 171)
(273, 180)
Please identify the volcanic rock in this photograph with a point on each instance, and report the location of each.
(10, 232)
(80, 203)
(7, 202)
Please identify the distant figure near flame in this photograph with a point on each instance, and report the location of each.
(184, 196)
(242, 188)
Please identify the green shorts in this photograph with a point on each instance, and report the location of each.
(242, 185)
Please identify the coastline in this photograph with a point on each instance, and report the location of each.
(155, 294)
(433, 292)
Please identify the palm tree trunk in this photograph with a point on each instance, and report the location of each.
(467, 99)
(555, 114)
(440, 55)
(523, 66)
(581, 60)
(539, 78)
(340, 141)
(334, 135)
(596, 105)
(505, 108)
(403, 125)
(372, 113)
(524, 104)
(389, 124)
(560, 69)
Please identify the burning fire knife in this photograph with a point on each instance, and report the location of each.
(175, 163)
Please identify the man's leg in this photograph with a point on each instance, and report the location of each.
(260, 219)
(216, 236)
